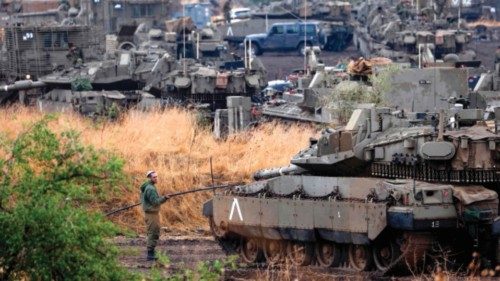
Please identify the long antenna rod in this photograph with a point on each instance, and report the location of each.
(459, 14)
(183, 31)
(305, 36)
(212, 174)
(177, 194)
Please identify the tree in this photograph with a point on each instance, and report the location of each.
(46, 182)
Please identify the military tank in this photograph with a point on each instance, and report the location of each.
(188, 82)
(380, 193)
(96, 88)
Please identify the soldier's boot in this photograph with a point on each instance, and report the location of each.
(151, 256)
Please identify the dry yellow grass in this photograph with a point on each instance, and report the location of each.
(170, 143)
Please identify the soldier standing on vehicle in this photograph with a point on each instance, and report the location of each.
(75, 55)
(151, 201)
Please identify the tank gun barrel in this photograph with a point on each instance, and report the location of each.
(275, 172)
(22, 85)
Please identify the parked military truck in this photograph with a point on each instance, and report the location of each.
(335, 30)
(285, 37)
(332, 36)
(375, 194)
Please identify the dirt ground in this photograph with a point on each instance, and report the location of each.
(278, 65)
(186, 252)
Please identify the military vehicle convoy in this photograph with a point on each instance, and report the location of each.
(148, 59)
(386, 190)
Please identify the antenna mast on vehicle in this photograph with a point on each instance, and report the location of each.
(184, 39)
(305, 36)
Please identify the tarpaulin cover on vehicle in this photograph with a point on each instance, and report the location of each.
(470, 194)
(364, 66)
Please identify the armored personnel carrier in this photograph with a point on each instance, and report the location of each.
(409, 34)
(381, 192)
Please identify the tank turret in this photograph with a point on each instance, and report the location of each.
(453, 146)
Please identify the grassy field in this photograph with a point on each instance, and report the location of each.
(171, 143)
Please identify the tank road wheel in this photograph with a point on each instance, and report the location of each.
(300, 253)
(217, 231)
(250, 251)
(328, 254)
(229, 245)
(385, 254)
(274, 251)
(360, 257)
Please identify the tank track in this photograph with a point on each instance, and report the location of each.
(230, 245)
(428, 173)
(412, 249)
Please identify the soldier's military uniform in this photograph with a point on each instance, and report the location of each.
(497, 55)
(75, 55)
(151, 202)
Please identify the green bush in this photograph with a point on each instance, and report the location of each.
(81, 84)
(47, 181)
(205, 270)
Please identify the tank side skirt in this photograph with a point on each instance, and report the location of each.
(289, 219)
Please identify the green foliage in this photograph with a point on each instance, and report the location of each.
(203, 118)
(207, 270)
(46, 182)
(345, 97)
(349, 94)
(381, 82)
(81, 84)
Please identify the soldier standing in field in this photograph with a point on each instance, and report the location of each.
(151, 202)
